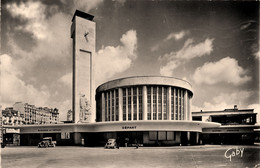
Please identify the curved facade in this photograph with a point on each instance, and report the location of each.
(144, 98)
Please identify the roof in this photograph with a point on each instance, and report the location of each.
(83, 15)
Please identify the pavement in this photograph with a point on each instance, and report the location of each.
(144, 157)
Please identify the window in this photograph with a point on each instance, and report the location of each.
(161, 135)
(148, 103)
(153, 135)
(165, 103)
(135, 102)
(113, 105)
(172, 104)
(154, 103)
(176, 104)
(108, 102)
(160, 103)
(129, 104)
(140, 99)
(117, 106)
(124, 104)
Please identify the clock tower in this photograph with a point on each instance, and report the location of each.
(83, 34)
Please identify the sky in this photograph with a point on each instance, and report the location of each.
(212, 45)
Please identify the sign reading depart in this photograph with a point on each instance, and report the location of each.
(129, 127)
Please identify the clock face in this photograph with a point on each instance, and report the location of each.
(86, 36)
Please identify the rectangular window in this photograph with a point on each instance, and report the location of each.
(172, 104)
(153, 135)
(113, 106)
(154, 103)
(124, 104)
(109, 104)
(140, 99)
(135, 102)
(160, 103)
(176, 104)
(148, 103)
(117, 106)
(165, 103)
(180, 104)
(129, 103)
(170, 136)
(162, 135)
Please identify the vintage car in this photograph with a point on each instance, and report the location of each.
(47, 142)
(111, 143)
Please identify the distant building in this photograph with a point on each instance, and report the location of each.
(12, 117)
(37, 115)
(237, 126)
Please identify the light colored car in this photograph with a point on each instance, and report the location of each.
(111, 143)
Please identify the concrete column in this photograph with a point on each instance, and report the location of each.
(126, 90)
(197, 138)
(120, 104)
(132, 105)
(144, 103)
(103, 105)
(169, 108)
(137, 102)
(151, 103)
(188, 138)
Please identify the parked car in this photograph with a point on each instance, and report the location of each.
(111, 143)
(47, 142)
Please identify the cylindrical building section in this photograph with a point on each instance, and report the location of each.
(144, 98)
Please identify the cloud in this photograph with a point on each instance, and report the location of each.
(176, 36)
(225, 70)
(66, 79)
(225, 101)
(52, 40)
(111, 60)
(14, 89)
(188, 52)
(32, 12)
(84, 5)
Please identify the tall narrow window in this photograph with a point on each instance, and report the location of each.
(160, 103)
(135, 102)
(172, 103)
(154, 103)
(180, 104)
(129, 103)
(140, 99)
(109, 109)
(113, 106)
(165, 103)
(149, 103)
(117, 106)
(124, 104)
(176, 104)
(106, 107)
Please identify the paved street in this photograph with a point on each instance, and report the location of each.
(161, 157)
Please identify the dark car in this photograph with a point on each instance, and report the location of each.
(47, 142)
